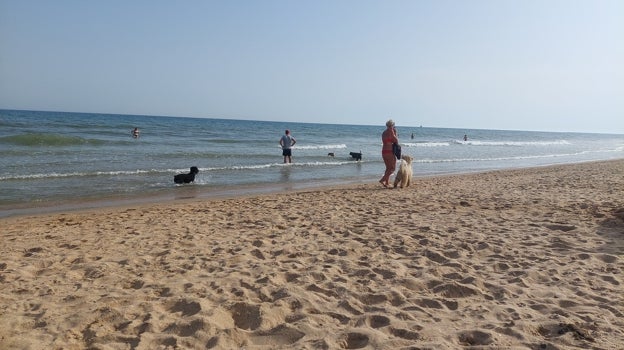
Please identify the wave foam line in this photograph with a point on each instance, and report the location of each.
(513, 143)
(501, 158)
(172, 171)
(281, 165)
(425, 144)
(41, 139)
(77, 174)
(340, 146)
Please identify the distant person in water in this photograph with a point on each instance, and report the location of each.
(412, 136)
(135, 133)
(465, 137)
(287, 141)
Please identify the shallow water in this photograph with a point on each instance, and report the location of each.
(54, 157)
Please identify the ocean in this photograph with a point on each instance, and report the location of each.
(58, 160)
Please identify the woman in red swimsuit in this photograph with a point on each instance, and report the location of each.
(388, 137)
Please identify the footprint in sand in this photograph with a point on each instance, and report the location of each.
(187, 308)
(405, 334)
(32, 251)
(280, 335)
(372, 299)
(354, 341)
(185, 329)
(475, 338)
(429, 303)
(454, 290)
(134, 284)
(246, 316)
(378, 321)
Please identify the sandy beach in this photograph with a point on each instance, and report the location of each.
(516, 259)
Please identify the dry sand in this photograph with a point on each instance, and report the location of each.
(522, 259)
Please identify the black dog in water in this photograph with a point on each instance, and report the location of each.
(186, 178)
(356, 155)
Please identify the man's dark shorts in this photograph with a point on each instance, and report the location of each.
(286, 152)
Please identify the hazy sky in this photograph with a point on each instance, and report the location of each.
(521, 65)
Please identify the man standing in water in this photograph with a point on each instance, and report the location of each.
(287, 142)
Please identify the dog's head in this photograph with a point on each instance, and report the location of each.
(407, 159)
(194, 170)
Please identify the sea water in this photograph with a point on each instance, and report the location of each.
(50, 159)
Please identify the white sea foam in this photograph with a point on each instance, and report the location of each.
(496, 159)
(425, 144)
(513, 143)
(338, 146)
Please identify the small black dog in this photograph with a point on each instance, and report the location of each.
(356, 155)
(186, 178)
(330, 154)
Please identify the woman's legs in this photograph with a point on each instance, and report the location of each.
(390, 162)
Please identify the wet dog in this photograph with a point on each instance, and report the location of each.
(356, 155)
(404, 175)
(330, 154)
(186, 178)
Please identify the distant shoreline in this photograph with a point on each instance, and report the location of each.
(173, 194)
(194, 193)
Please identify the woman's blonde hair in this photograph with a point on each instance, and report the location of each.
(390, 123)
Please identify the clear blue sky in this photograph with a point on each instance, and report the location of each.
(552, 65)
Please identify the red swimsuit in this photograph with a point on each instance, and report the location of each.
(387, 141)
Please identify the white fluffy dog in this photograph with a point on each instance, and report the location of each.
(404, 175)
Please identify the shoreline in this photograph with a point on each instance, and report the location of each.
(526, 259)
(194, 192)
(172, 195)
